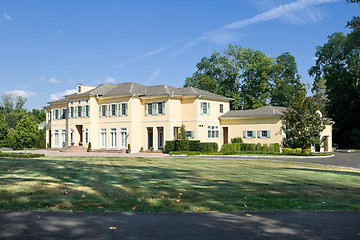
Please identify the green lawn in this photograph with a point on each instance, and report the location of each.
(174, 185)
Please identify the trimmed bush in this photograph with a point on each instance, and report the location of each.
(274, 147)
(298, 150)
(258, 147)
(236, 140)
(243, 147)
(265, 147)
(251, 147)
(194, 145)
(169, 146)
(208, 147)
(307, 151)
(20, 155)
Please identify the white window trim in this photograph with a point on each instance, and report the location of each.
(120, 139)
(261, 136)
(221, 108)
(102, 106)
(216, 129)
(86, 113)
(207, 108)
(103, 130)
(56, 137)
(121, 109)
(253, 133)
(111, 109)
(88, 136)
(113, 130)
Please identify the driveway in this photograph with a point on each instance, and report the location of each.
(253, 225)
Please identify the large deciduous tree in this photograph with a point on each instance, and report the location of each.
(26, 134)
(248, 76)
(338, 64)
(303, 122)
(4, 129)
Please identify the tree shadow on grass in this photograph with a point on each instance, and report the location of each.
(90, 186)
(345, 173)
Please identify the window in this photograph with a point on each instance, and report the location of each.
(103, 137)
(63, 113)
(112, 137)
(71, 112)
(249, 134)
(161, 108)
(63, 138)
(113, 110)
(123, 138)
(156, 108)
(71, 102)
(190, 134)
(56, 114)
(79, 89)
(49, 116)
(103, 110)
(86, 136)
(79, 102)
(123, 109)
(221, 108)
(71, 136)
(79, 113)
(87, 101)
(213, 131)
(263, 134)
(205, 108)
(148, 109)
(87, 111)
(56, 138)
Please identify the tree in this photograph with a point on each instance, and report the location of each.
(287, 80)
(26, 134)
(248, 76)
(19, 103)
(338, 63)
(320, 95)
(4, 129)
(7, 103)
(182, 135)
(303, 122)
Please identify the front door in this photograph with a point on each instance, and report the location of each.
(326, 144)
(225, 135)
(150, 137)
(79, 128)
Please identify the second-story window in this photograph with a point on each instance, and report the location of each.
(123, 109)
(63, 113)
(148, 109)
(103, 110)
(79, 112)
(56, 114)
(87, 111)
(49, 116)
(156, 108)
(161, 108)
(221, 108)
(205, 108)
(71, 112)
(113, 110)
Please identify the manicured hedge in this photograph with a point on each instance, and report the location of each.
(21, 155)
(249, 147)
(189, 145)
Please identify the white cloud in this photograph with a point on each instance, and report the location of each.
(57, 33)
(7, 16)
(21, 93)
(54, 80)
(57, 96)
(153, 76)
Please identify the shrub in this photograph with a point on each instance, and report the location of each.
(20, 155)
(307, 151)
(287, 150)
(181, 145)
(169, 146)
(243, 147)
(258, 147)
(208, 147)
(298, 150)
(265, 147)
(236, 140)
(274, 147)
(251, 147)
(194, 145)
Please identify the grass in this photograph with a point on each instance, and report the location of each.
(174, 185)
(193, 153)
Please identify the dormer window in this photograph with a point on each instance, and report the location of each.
(79, 88)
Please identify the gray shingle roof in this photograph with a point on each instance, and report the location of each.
(130, 88)
(267, 111)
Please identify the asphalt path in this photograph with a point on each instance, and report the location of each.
(253, 225)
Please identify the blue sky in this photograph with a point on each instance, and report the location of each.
(47, 47)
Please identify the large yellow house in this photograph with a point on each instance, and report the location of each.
(131, 115)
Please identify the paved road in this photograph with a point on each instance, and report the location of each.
(261, 225)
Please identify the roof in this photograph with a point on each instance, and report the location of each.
(267, 111)
(131, 88)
